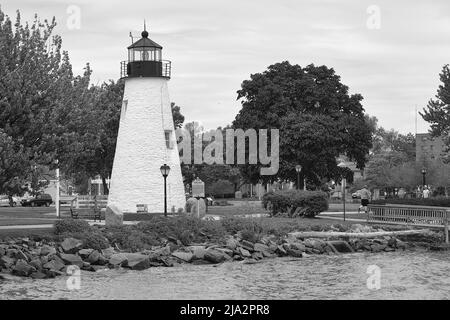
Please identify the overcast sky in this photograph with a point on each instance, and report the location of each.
(215, 45)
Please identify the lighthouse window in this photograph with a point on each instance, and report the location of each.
(124, 109)
(168, 136)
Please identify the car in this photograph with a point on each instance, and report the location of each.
(38, 201)
(4, 201)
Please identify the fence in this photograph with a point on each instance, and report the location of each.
(420, 216)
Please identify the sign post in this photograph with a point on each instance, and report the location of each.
(198, 192)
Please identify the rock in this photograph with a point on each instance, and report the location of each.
(243, 252)
(38, 275)
(173, 247)
(232, 244)
(97, 268)
(54, 265)
(281, 251)
(192, 205)
(294, 253)
(247, 245)
(401, 245)
(117, 259)
(200, 262)
(257, 255)
(164, 251)
(377, 247)
(389, 249)
(268, 254)
(22, 256)
(225, 250)
(22, 268)
(71, 245)
(298, 246)
(185, 256)
(72, 259)
(216, 256)
(250, 261)
(198, 252)
(84, 253)
(36, 263)
(108, 253)
(47, 250)
(314, 244)
(259, 247)
(137, 261)
(113, 216)
(6, 262)
(86, 266)
(340, 246)
(94, 257)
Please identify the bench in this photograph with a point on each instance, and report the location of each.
(420, 216)
(88, 207)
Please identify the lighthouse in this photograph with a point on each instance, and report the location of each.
(146, 138)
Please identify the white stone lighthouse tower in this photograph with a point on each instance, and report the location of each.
(146, 138)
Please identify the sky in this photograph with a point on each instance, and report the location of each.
(391, 52)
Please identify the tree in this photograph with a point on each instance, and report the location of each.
(437, 112)
(36, 79)
(178, 118)
(317, 117)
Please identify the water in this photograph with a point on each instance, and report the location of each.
(404, 275)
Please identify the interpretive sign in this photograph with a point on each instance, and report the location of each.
(198, 188)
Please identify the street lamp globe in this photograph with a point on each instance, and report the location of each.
(298, 168)
(165, 169)
(424, 171)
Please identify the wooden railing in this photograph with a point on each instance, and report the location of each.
(421, 216)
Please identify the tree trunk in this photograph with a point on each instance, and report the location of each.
(11, 201)
(105, 186)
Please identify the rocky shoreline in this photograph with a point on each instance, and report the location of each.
(48, 259)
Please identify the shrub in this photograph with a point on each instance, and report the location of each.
(296, 202)
(71, 226)
(95, 241)
(429, 202)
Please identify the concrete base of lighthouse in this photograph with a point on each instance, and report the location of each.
(143, 147)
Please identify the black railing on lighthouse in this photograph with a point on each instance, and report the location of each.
(165, 71)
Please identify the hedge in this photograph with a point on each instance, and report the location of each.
(429, 202)
(294, 203)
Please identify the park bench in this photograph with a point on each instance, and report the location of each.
(88, 207)
(420, 216)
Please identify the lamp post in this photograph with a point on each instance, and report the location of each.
(165, 169)
(424, 173)
(344, 184)
(298, 168)
(57, 189)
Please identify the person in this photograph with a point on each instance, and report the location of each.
(365, 197)
(426, 192)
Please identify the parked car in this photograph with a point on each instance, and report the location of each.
(38, 201)
(4, 201)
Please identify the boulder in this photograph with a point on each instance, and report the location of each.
(22, 268)
(6, 262)
(22, 256)
(192, 205)
(216, 256)
(232, 244)
(72, 259)
(54, 265)
(247, 245)
(137, 261)
(259, 247)
(36, 263)
(298, 246)
(257, 255)
(113, 216)
(96, 258)
(281, 251)
(340, 246)
(84, 253)
(243, 252)
(108, 253)
(294, 253)
(38, 275)
(185, 256)
(117, 259)
(71, 245)
(198, 252)
(47, 250)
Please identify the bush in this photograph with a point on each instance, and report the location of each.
(71, 226)
(95, 241)
(294, 203)
(429, 202)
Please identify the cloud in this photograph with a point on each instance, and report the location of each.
(215, 45)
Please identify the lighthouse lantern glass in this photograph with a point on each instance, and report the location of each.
(144, 54)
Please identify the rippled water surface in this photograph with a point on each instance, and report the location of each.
(404, 275)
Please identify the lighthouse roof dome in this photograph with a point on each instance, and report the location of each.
(145, 42)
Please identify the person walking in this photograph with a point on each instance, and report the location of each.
(365, 197)
(426, 192)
